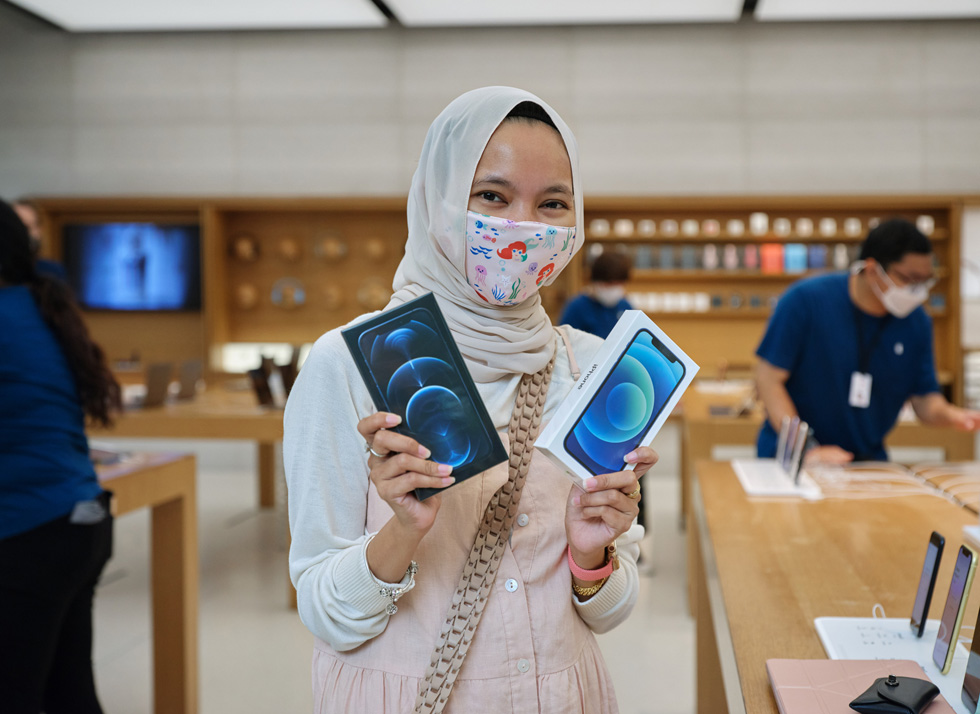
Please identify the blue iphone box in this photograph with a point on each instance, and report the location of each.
(412, 367)
(620, 402)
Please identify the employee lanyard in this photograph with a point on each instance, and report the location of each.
(865, 351)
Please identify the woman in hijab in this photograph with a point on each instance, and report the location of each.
(497, 162)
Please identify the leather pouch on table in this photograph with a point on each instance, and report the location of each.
(896, 695)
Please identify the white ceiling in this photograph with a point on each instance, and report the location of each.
(800, 10)
(434, 13)
(161, 15)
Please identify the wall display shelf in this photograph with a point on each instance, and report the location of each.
(708, 269)
(274, 270)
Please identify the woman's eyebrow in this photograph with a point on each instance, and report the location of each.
(495, 180)
(559, 188)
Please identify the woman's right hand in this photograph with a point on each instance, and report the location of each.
(401, 468)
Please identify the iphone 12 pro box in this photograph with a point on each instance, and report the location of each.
(412, 368)
(620, 402)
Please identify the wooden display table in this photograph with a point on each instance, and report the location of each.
(767, 568)
(703, 431)
(166, 484)
(214, 414)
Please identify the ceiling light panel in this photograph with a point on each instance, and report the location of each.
(801, 10)
(153, 15)
(466, 13)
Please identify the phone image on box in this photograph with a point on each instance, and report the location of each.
(626, 405)
(412, 367)
(959, 593)
(927, 583)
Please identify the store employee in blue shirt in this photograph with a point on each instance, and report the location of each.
(845, 351)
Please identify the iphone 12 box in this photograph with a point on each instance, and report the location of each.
(412, 368)
(620, 402)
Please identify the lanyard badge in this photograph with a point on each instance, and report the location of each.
(860, 393)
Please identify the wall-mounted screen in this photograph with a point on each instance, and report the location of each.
(134, 266)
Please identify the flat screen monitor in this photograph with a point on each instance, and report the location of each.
(134, 266)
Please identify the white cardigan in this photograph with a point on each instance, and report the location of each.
(327, 480)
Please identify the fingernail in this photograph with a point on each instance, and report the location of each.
(445, 469)
(577, 500)
(393, 419)
(424, 452)
(631, 457)
(448, 480)
(591, 484)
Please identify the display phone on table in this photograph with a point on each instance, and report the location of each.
(804, 440)
(959, 593)
(971, 681)
(787, 438)
(792, 433)
(927, 583)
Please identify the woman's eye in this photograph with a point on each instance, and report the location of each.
(489, 196)
(555, 205)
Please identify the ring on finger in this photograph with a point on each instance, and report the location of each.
(369, 448)
(634, 494)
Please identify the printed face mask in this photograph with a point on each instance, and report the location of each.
(508, 261)
(900, 302)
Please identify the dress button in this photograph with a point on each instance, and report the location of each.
(523, 665)
(523, 520)
(511, 585)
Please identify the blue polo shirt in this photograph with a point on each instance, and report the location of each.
(589, 315)
(44, 456)
(819, 335)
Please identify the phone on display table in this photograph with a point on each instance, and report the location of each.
(626, 405)
(927, 583)
(971, 680)
(959, 593)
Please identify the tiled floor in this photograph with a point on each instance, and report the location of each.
(255, 653)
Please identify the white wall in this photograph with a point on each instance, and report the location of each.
(746, 108)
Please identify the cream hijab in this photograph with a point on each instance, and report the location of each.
(497, 342)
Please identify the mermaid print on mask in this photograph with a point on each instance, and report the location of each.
(509, 275)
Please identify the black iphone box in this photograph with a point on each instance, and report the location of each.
(412, 368)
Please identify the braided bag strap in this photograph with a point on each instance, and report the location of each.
(480, 570)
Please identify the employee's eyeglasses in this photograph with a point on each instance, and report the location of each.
(906, 282)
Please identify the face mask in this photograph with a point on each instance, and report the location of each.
(608, 295)
(900, 301)
(508, 261)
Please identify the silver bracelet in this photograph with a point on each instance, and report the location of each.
(393, 593)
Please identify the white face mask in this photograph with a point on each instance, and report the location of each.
(609, 295)
(508, 261)
(900, 301)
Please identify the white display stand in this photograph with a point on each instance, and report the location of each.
(765, 477)
(892, 638)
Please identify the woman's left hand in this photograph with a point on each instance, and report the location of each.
(601, 513)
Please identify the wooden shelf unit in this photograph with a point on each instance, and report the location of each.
(726, 310)
(344, 252)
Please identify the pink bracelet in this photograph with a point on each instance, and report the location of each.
(589, 575)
